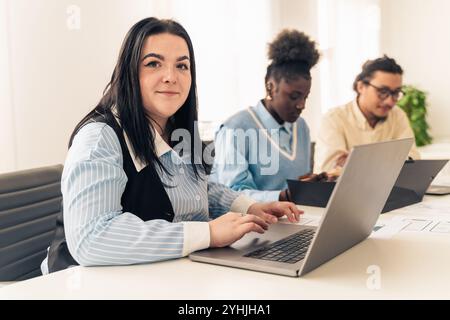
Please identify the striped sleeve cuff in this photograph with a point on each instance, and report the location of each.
(196, 236)
(241, 204)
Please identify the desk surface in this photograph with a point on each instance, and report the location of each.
(410, 266)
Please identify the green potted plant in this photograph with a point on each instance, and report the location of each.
(414, 103)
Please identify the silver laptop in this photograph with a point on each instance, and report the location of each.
(353, 209)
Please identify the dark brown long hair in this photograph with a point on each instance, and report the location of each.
(123, 92)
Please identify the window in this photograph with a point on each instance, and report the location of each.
(348, 35)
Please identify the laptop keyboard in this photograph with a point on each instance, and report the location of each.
(288, 250)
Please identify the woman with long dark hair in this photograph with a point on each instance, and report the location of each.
(128, 196)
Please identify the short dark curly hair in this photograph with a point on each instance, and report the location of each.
(292, 54)
(369, 68)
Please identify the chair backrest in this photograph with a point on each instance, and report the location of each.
(209, 153)
(30, 201)
(312, 151)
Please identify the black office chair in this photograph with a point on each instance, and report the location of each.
(30, 200)
(208, 154)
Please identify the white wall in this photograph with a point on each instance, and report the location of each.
(7, 132)
(58, 71)
(417, 33)
(61, 54)
(229, 38)
(53, 72)
(301, 15)
(349, 36)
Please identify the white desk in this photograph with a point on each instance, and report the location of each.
(411, 265)
(440, 149)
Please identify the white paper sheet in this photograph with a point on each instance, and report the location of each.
(413, 224)
(430, 209)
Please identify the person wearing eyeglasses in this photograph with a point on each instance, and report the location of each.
(373, 116)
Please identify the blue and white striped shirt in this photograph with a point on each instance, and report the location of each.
(98, 232)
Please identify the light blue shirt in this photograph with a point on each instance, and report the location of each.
(97, 230)
(288, 150)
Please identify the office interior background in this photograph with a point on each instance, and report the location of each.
(56, 57)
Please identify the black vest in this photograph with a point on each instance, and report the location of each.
(144, 196)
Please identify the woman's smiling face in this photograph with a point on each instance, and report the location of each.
(164, 75)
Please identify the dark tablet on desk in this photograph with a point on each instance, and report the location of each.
(412, 183)
(438, 190)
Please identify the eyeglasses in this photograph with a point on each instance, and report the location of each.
(384, 93)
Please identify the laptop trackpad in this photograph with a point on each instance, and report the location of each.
(278, 231)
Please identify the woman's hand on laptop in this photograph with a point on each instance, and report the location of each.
(271, 211)
(232, 226)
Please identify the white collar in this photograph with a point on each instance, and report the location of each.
(264, 130)
(161, 146)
